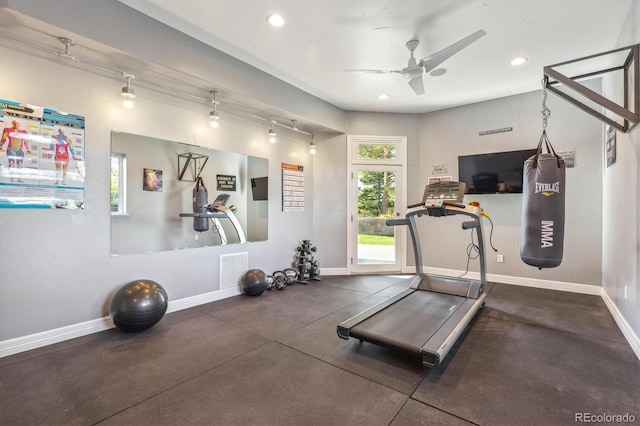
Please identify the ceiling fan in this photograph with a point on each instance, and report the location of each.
(414, 69)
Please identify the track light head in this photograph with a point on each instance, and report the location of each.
(272, 133)
(213, 115)
(312, 146)
(128, 92)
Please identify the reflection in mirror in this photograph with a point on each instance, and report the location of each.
(148, 196)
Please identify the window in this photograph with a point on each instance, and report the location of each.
(118, 184)
(376, 149)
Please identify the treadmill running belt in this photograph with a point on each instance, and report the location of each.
(410, 322)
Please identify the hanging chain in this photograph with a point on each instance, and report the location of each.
(546, 112)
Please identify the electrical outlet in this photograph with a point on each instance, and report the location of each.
(500, 258)
(196, 236)
(626, 292)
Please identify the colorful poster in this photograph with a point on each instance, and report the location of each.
(41, 157)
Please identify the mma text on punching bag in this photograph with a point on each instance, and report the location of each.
(200, 201)
(543, 209)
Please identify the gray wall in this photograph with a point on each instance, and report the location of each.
(330, 178)
(449, 133)
(438, 138)
(56, 265)
(621, 201)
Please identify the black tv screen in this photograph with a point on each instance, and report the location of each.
(494, 173)
(260, 188)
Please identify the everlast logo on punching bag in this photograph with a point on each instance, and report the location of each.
(548, 189)
(546, 234)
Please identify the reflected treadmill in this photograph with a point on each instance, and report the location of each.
(428, 318)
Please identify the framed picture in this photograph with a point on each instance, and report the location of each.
(152, 180)
(438, 179)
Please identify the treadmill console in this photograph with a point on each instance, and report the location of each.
(437, 195)
(221, 200)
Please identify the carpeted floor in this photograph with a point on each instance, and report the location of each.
(531, 357)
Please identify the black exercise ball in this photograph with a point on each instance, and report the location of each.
(254, 282)
(138, 305)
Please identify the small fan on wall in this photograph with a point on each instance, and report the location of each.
(414, 69)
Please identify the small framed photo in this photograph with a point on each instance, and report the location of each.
(152, 180)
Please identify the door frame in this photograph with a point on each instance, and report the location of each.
(352, 198)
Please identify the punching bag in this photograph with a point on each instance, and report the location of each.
(542, 233)
(200, 201)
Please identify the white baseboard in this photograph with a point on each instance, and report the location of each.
(333, 271)
(57, 335)
(526, 282)
(623, 325)
(49, 337)
(201, 299)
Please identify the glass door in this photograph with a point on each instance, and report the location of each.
(376, 192)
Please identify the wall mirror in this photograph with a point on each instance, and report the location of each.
(152, 184)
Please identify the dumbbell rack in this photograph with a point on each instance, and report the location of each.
(308, 268)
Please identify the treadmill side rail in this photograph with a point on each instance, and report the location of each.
(439, 345)
(345, 326)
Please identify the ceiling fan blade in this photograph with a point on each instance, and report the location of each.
(417, 85)
(373, 71)
(431, 62)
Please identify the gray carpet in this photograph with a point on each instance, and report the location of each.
(531, 357)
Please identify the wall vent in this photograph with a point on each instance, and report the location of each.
(232, 267)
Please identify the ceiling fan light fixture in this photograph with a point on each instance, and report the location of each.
(438, 72)
(275, 20)
(518, 61)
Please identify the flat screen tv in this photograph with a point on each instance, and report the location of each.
(260, 188)
(494, 173)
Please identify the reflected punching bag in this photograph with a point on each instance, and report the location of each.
(200, 201)
(543, 202)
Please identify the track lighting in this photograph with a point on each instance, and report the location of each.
(128, 93)
(213, 115)
(272, 133)
(312, 146)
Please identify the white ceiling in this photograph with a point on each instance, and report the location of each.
(322, 38)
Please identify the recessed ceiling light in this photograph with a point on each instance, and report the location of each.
(275, 20)
(383, 96)
(519, 60)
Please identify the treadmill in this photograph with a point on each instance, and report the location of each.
(428, 318)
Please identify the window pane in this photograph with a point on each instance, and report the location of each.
(115, 183)
(376, 152)
(376, 203)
